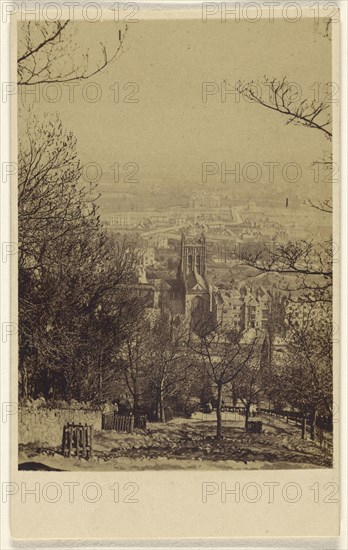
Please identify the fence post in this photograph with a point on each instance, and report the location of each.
(70, 439)
(83, 435)
(131, 424)
(77, 435)
(63, 441)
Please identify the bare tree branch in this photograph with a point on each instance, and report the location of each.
(47, 56)
(313, 114)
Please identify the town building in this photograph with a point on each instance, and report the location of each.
(147, 257)
(192, 295)
(120, 220)
(202, 200)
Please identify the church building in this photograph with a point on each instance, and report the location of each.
(193, 289)
(191, 294)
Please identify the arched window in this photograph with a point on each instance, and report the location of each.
(189, 262)
(198, 263)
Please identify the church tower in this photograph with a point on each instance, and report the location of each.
(193, 255)
(195, 292)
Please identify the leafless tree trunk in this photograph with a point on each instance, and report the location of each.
(304, 426)
(247, 415)
(218, 412)
(313, 422)
(162, 416)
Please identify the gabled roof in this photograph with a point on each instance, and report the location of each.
(195, 279)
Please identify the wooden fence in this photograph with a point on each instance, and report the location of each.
(77, 440)
(323, 423)
(295, 416)
(231, 408)
(122, 423)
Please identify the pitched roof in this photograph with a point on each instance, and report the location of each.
(194, 279)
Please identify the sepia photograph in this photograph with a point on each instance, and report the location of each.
(176, 243)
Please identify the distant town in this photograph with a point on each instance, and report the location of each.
(191, 254)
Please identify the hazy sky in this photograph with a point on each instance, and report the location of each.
(170, 131)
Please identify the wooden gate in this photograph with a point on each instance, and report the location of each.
(77, 440)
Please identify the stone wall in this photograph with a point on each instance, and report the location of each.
(44, 426)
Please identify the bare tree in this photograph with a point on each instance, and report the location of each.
(74, 280)
(47, 53)
(281, 97)
(135, 359)
(225, 355)
(171, 366)
(306, 265)
(326, 163)
(310, 262)
(248, 385)
(51, 201)
(306, 368)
